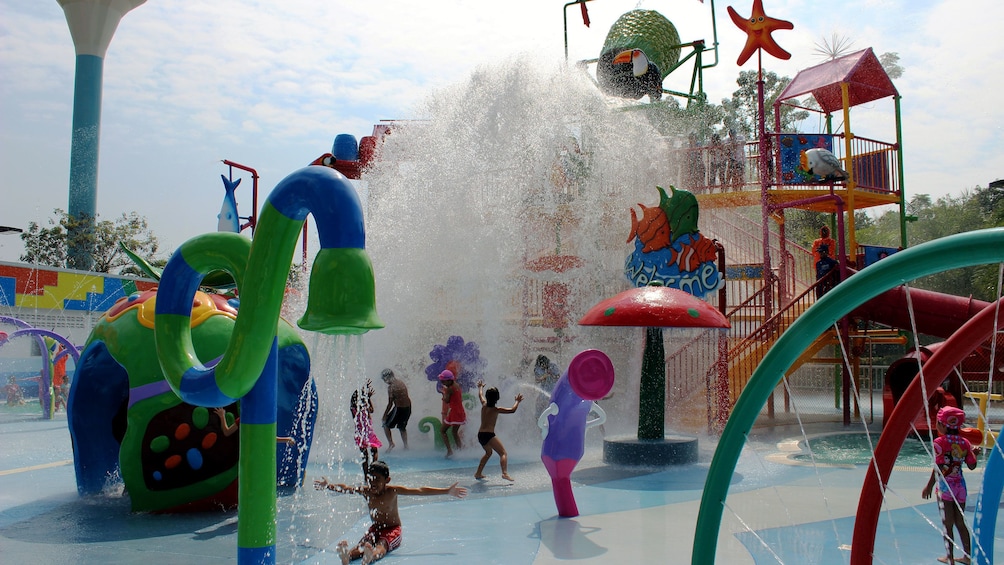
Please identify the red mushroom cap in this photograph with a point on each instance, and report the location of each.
(655, 307)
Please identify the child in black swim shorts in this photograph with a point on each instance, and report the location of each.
(486, 433)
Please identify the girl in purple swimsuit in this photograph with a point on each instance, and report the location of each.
(950, 451)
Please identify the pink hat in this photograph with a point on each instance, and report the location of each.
(447, 375)
(951, 417)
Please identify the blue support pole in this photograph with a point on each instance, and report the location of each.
(84, 158)
(92, 24)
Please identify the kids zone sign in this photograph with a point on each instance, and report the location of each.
(669, 249)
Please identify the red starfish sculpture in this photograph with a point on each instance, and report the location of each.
(758, 28)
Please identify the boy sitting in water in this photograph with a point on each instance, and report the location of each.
(384, 535)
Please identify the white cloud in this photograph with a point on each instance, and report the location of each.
(270, 84)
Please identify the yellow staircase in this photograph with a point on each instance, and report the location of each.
(744, 355)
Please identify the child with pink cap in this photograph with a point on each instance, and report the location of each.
(454, 415)
(950, 451)
(361, 407)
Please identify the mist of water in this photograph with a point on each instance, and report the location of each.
(516, 163)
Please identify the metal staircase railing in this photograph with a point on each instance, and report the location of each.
(745, 355)
(721, 370)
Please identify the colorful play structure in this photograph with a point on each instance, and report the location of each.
(778, 324)
(171, 455)
(641, 49)
(972, 248)
(776, 320)
(248, 370)
(58, 350)
(164, 358)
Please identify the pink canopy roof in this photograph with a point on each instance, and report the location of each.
(866, 79)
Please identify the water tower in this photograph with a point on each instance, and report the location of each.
(92, 24)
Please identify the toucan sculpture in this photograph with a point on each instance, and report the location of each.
(629, 74)
(640, 50)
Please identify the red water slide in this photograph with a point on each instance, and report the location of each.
(934, 313)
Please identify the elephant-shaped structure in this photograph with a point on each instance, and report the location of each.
(173, 456)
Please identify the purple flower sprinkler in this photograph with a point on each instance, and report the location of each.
(461, 358)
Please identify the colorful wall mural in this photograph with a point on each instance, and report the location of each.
(29, 287)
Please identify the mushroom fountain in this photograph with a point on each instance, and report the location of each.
(672, 266)
(653, 307)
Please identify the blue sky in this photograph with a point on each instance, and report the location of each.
(269, 84)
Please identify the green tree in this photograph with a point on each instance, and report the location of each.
(988, 279)
(890, 62)
(946, 216)
(738, 112)
(991, 202)
(741, 109)
(803, 226)
(48, 246)
(671, 119)
(882, 230)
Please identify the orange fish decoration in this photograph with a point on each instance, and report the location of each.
(652, 230)
(693, 254)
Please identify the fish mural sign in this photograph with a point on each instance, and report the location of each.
(669, 249)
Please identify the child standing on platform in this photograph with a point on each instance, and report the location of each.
(486, 433)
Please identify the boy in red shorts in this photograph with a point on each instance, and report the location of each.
(384, 535)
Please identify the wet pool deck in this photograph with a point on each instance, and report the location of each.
(776, 512)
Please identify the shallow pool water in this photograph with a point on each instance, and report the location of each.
(854, 449)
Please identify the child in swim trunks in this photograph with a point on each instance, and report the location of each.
(384, 535)
(950, 451)
(486, 433)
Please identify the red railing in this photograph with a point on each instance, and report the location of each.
(873, 164)
(747, 317)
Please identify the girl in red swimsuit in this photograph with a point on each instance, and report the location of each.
(454, 415)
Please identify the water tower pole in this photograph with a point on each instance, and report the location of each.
(92, 24)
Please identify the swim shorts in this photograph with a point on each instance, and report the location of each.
(398, 418)
(389, 535)
(485, 437)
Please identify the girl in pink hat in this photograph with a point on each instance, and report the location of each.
(361, 407)
(454, 415)
(950, 451)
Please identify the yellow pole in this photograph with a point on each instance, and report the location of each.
(989, 438)
(852, 241)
